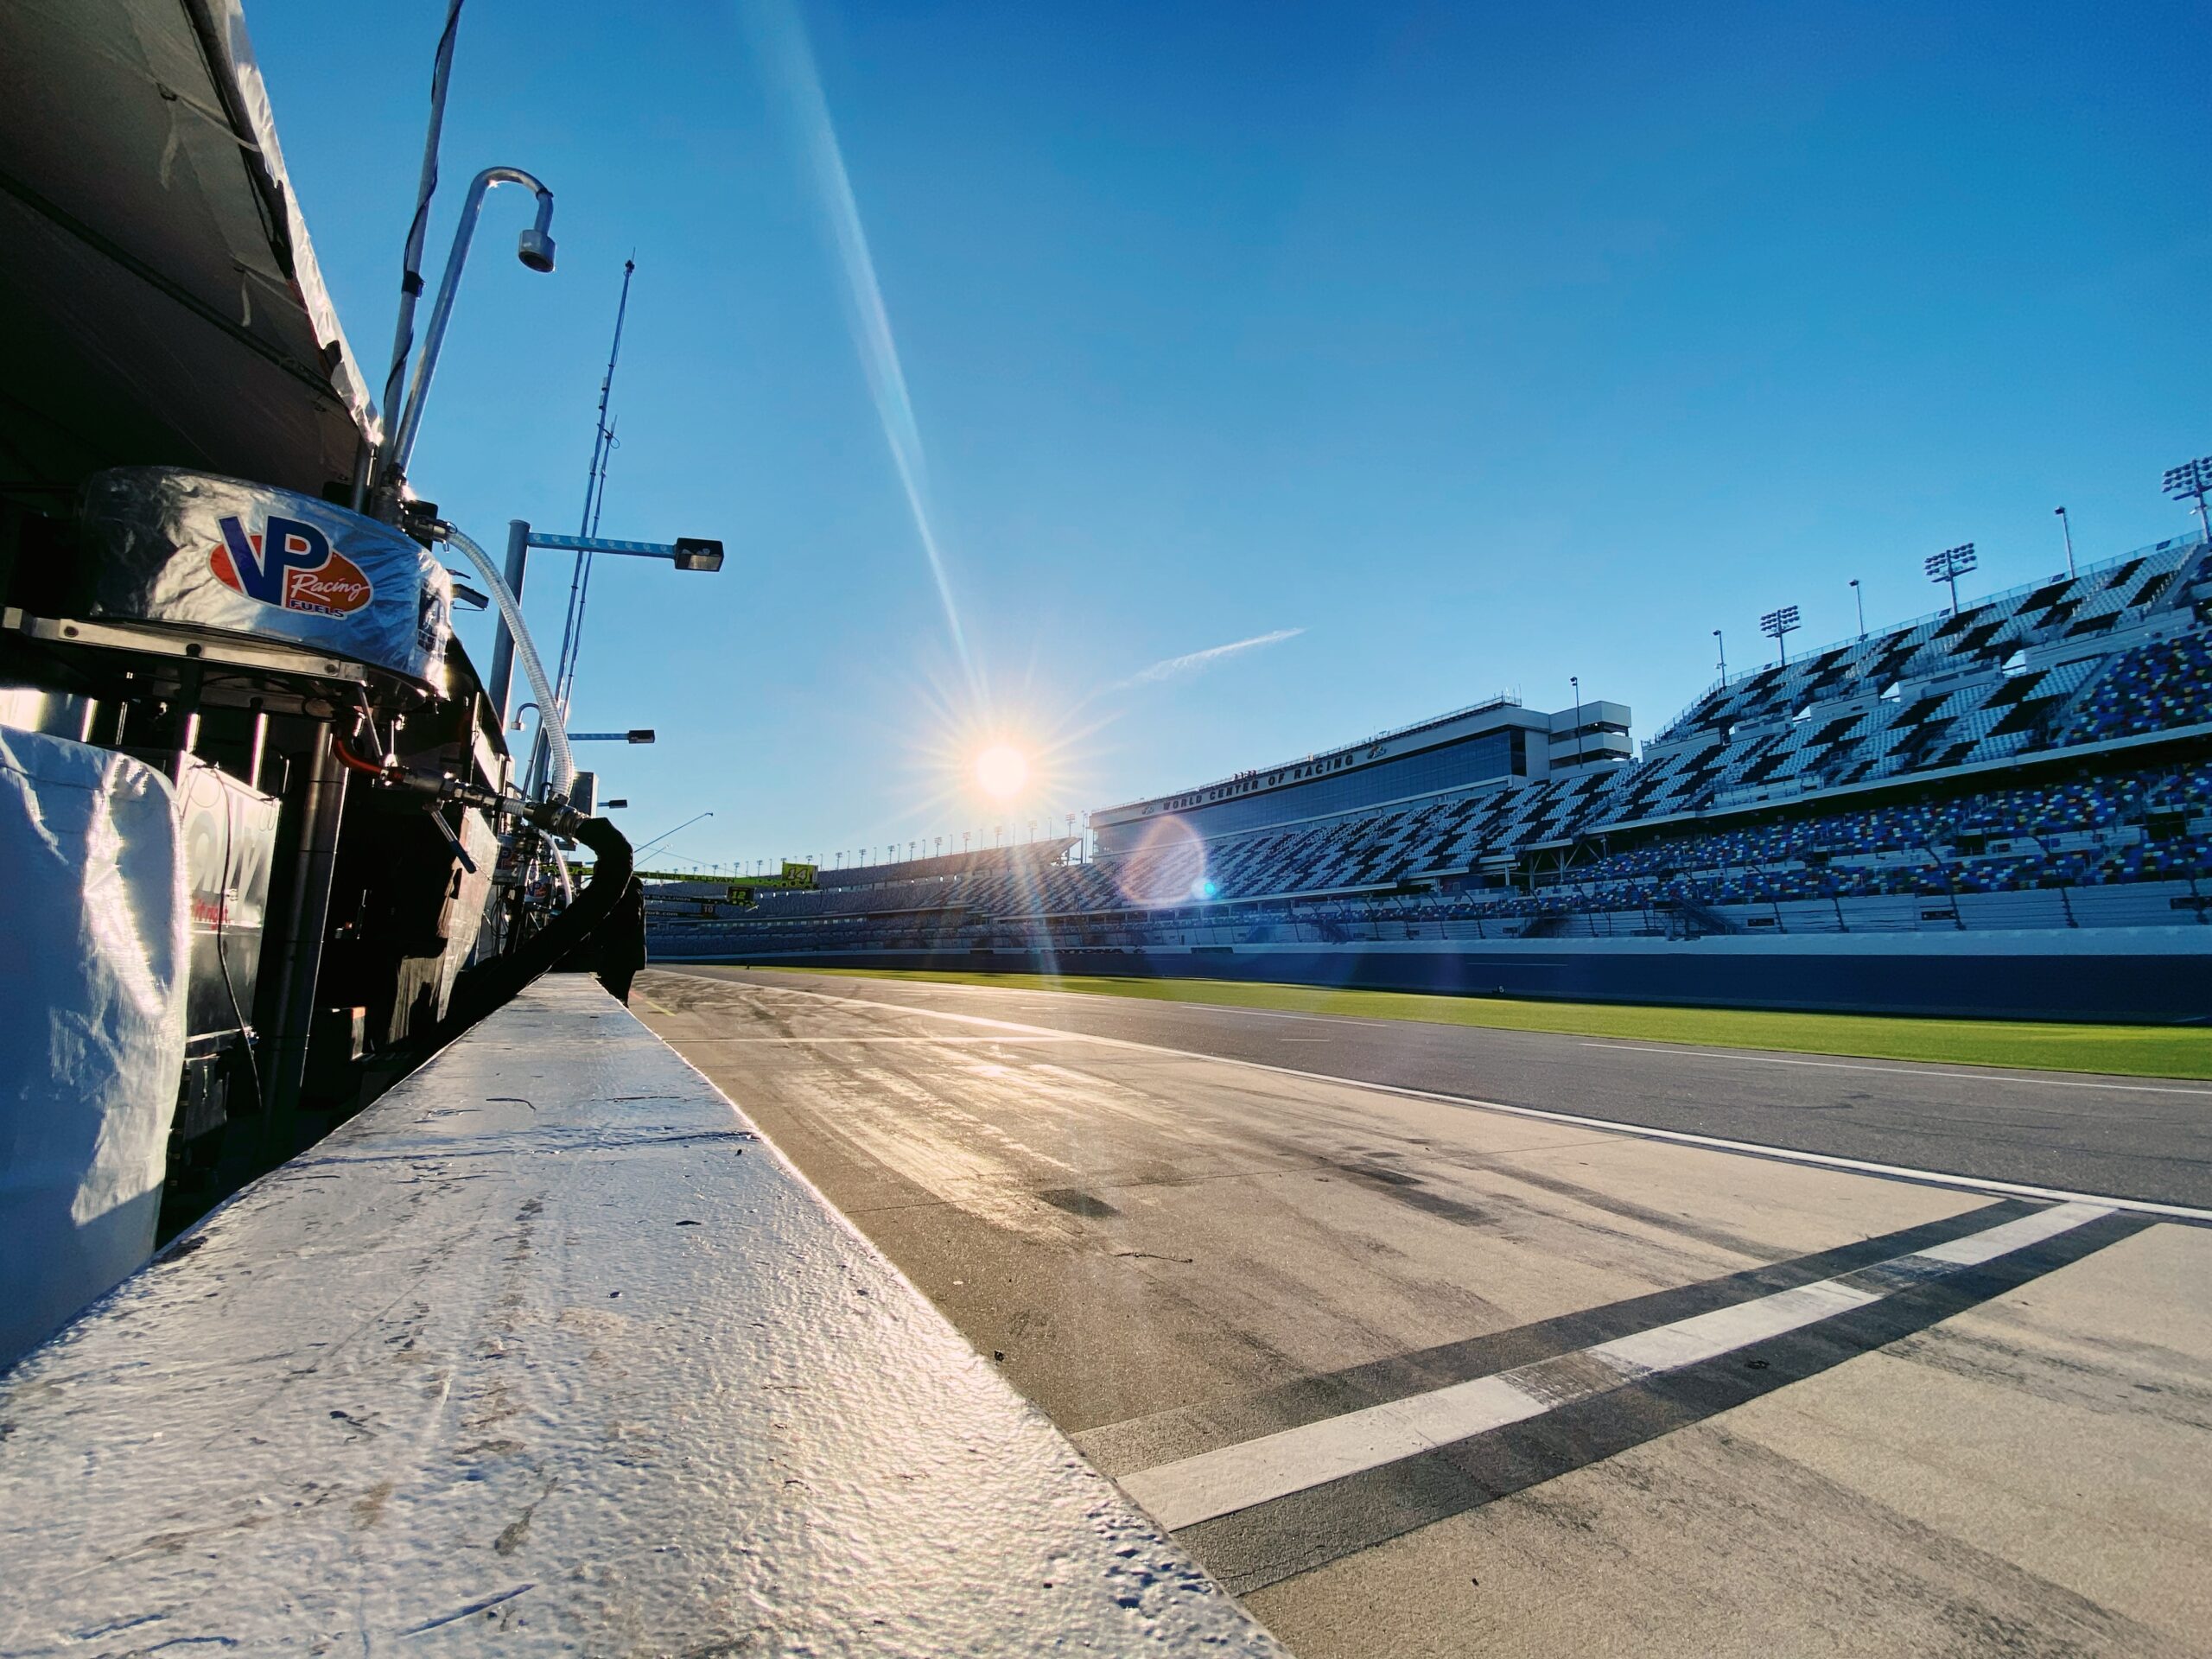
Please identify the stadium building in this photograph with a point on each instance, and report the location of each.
(2006, 808)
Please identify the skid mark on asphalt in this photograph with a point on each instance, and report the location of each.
(1640, 1131)
(1261, 1510)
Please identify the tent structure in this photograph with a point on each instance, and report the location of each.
(162, 299)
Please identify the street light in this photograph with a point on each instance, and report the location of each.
(1948, 566)
(2067, 524)
(685, 553)
(2193, 477)
(1778, 625)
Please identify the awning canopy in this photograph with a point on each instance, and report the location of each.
(162, 301)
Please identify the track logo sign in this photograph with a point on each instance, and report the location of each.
(291, 565)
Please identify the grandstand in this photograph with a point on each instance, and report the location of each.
(2028, 773)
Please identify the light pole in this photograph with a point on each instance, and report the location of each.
(640, 735)
(1575, 680)
(535, 250)
(1721, 645)
(1778, 625)
(1948, 566)
(685, 553)
(1860, 599)
(2193, 477)
(2066, 526)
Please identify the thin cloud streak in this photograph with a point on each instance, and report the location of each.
(1175, 668)
(781, 36)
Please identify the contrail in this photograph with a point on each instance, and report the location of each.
(780, 36)
(1174, 668)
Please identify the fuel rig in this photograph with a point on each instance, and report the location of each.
(262, 846)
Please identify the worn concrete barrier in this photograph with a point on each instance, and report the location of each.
(549, 1351)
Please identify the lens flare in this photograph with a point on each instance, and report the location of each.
(1166, 867)
(1001, 771)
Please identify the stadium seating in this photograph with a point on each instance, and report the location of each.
(1733, 808)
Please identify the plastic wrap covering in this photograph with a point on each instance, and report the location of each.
(92, 1022)
(230, 841)
(175, 546)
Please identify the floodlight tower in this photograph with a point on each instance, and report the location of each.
(1778, 625)
(1948, 566)
(2193, 477)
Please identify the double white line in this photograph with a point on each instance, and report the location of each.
(1233, 1478)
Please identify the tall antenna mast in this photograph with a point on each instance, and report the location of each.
(411, 261)
(602, 444)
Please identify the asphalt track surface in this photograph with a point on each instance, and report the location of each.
(2130, 1137)
(1415, 1376)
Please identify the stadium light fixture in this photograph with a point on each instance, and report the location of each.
(2066, 524)
(1858, 598)
(1721, 645)
(1778, 625)
(1948, 566)
(2193, 477)
(536, 252)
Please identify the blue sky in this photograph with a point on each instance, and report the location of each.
(1443, 349)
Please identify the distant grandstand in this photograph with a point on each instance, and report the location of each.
(2026, 780)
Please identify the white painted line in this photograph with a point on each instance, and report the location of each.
(1974, 1248)
(1708, 1336)
(1231, 1478)
(1637, 1131)
(2034, 1079)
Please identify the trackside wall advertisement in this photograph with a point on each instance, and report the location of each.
(175, 546)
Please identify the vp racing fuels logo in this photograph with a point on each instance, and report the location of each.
(292, 565)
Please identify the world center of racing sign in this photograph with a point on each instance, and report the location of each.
(168, 545)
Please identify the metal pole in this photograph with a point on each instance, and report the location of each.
(1859, 594)
(400, 448)
(2067, 524)
(500, 686)
(1723, 644)
(323, 805)
(411, 264)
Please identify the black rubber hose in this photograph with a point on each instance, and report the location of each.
(492, 984)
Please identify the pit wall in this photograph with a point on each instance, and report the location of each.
(548, 1352)
(2158, 976)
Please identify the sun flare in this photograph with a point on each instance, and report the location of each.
(1001, 771)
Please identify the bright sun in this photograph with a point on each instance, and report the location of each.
(1000, 771)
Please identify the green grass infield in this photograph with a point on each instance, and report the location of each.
(2123, 1051)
